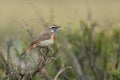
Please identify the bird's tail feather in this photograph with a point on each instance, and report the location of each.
(27, 50)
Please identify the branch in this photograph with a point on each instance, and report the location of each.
(9, 43)
(25, 26)
(39, 67)
(61, 71)
(118, 55)
(90, 51)
(42, 63)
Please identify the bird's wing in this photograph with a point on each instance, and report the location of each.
(41, 37)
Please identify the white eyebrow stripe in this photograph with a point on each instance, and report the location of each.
(52, 26)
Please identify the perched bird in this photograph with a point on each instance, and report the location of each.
(44, 39)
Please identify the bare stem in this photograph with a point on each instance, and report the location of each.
(61, 71)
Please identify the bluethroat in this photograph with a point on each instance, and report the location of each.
(45, 39)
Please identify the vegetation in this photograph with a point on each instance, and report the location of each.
(87, 50)
(83, 54)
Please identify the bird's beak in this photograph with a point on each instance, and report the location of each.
(58, 27)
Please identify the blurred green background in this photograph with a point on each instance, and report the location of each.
(89, 40)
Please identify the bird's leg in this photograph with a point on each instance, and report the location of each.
(51, 49)
(41, 52)
(38, 49)
(47, 50)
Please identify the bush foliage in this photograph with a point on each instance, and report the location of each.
(90, 52)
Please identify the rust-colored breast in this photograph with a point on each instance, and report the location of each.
(53, 38)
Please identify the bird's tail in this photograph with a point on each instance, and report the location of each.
(27, 50)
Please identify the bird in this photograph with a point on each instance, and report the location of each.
(45, 39)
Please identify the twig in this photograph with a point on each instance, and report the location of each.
(9, 43)
(90, 50)
(118, 55)
(39, 67)
(25, 26)
(42, 63)
(61, 71)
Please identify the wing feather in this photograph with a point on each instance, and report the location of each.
(46, 34)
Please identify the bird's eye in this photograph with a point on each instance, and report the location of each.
(53, 27)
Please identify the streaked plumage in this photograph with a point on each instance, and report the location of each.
(44, 39)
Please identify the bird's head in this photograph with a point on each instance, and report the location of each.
(53, 28)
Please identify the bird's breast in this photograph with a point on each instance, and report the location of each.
(48, 42)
